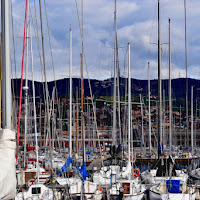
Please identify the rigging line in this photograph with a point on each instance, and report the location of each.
(35, 27)
(87, 69)
(46, 88)
(186, 66)
(52, 61)
(20, 99)
(42, 66)
(125, 64)
(125, 98)
(12, 91)
(51, 52)
(153, 24)
(13, 38)
(92, 100)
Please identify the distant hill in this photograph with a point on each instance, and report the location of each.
(105, 88)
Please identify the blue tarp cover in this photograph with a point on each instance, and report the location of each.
(68, 162)
(83, 171)
(63, 168)
(173, 186)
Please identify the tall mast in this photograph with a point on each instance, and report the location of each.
(149, 96)
(192, 121)
(82, 114)
(160, 140)
(129, 105)
(6, 82)
(180, 127)
(82, 93)
(25, 88)
(118, 90)
(186, 103)
(77, 121)
(46, 88)
(170, 94)
(115, 67)
(82, 24)
(163, 113)
(70, 96)
(118, 99)
(195, 136)
(0, 74)
(142, 126)
(34, 108)
(88, 122)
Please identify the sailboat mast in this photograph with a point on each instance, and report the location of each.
(82, 44)
(25, 88)
(115, 67)
(142, 125)
(46, 89)
(163, 113)
(77, 121)
(82, 114)
(160, 140)
(6, 83)
(129, 105)
(195, 136)
(34, 106)
(0, 73)
(149, 96)
(192, 121)
(118, 98)
(186, 103)
(70, 96)
(170, 93)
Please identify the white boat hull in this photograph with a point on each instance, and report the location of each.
(161, 192)
(178, 196)
(36, 192)
(90, 190)
(134, 197)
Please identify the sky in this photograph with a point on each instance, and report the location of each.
(136, 24)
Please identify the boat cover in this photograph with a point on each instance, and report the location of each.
(7, 164)
(164, 166)
(67, 163)
(83, 171)
(173, 186)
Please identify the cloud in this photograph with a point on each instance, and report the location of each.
(137, 24)
(195, 71)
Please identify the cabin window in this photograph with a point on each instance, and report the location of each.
(36, 190)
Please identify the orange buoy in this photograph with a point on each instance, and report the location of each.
(135, 172)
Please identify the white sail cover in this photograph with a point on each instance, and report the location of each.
(7, 164)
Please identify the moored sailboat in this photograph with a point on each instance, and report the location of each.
(164, 170)
(7, 136)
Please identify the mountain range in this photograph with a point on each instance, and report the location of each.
(104, 88)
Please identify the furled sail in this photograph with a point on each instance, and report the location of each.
(7, 164)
